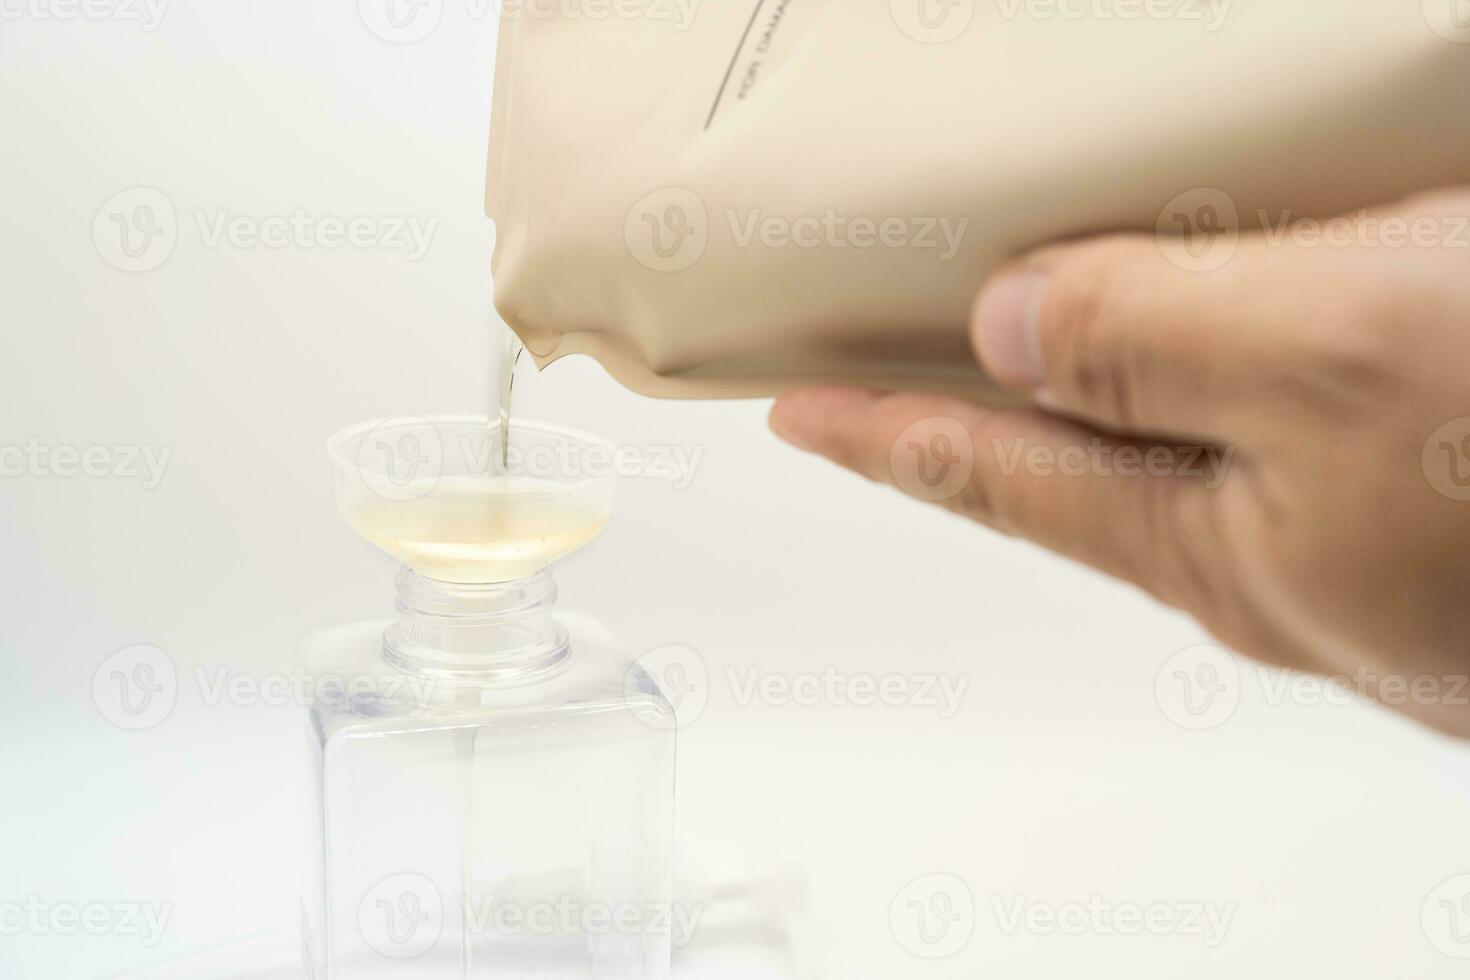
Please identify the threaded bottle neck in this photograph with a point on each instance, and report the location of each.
(503, 633)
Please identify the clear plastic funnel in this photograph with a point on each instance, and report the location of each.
(444, 495)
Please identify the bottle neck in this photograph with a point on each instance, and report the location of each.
(477, 633)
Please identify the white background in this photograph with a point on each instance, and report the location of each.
(1326, 828)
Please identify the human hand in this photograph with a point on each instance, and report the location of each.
(1279, 446)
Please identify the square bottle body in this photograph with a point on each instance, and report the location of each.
(469, 825)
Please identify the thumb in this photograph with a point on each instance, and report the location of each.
(1112, 332)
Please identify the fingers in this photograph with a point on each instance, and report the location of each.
(1113, 332)
(1134, 511)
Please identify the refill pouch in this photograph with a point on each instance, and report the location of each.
(727, 198)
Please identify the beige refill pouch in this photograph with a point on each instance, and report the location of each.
(724, 198)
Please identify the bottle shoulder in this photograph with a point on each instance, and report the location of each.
(357, 692)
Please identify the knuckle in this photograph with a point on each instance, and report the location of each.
(986, 496)
(1180, 532)
(1348, 354)
(1085, 331)
(1445, 202)
(979, 501)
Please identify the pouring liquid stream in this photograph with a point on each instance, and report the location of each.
(512, 360)
(465, 741)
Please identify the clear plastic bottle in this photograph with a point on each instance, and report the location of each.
(493, 793)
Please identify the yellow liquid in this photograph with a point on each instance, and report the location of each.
(481, 529)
